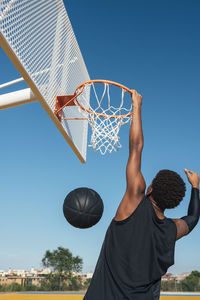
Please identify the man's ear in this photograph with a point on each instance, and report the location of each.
(149, 190)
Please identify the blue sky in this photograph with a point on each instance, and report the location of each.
(151, 46)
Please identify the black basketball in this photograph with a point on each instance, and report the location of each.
(83, 207)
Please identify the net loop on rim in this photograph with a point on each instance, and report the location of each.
(104, 115)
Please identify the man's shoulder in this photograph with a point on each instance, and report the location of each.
(182, 228)
(128, 206)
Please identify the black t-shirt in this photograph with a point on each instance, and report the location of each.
(135, 254)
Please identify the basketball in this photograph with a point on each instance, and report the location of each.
(83, 207)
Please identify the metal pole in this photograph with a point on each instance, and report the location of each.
(17, 98)
(11, 82)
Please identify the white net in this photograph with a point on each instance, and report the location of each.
(44, 47)
(106, 116)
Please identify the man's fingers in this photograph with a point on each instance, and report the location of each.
(186, 172)
(189, 171)
(134, 93)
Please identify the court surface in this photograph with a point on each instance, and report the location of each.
(79, 296)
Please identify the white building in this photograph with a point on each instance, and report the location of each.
(182, 276)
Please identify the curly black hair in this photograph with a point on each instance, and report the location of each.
(168, 189)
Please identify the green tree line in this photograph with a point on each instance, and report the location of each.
(190, 284)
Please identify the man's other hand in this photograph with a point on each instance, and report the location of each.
(193, 178)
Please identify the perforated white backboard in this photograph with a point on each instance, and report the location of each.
(38, 38)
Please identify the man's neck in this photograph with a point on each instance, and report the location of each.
(158, 211)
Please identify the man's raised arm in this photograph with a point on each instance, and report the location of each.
(135, 181)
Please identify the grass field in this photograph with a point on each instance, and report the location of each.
(78, 297)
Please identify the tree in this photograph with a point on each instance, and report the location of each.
(87, 282)
(75, 283)
(14, 287)
(192, 282)
(63, 263)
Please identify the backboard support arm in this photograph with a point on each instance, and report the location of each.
(17, 98)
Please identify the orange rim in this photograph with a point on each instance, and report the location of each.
(104, 81)
(81, 88)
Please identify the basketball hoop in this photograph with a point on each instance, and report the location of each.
(105, 118)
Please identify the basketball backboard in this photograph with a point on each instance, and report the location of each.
(38, 38)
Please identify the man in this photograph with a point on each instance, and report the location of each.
(139, 243)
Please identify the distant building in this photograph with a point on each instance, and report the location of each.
(167, 277)
(45, 271)
(86, 276)
(16, 272)
(3, 273)
(178, 278)
(20, 280)
(89, 275)
(32, 277)
(182, 276)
